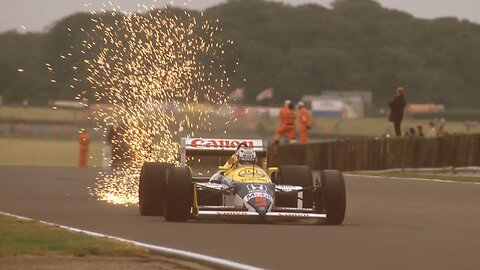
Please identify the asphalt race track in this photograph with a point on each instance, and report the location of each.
(390, 224)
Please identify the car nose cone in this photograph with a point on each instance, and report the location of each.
(260, 204)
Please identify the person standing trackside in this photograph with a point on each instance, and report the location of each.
(397, 106)
(289, 124)
(279, 131)
(420, 131)
(432, 130)
(84, 141)
(305, 122)
(283, 114)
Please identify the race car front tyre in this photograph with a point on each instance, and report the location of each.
(295, 175)
(334, 197)
(151, 188)
(179, 194)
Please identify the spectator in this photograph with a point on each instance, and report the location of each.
(432, 131)
(305, 122)
(397, 106)
(441, 131)
(411, 132)
(420, 131)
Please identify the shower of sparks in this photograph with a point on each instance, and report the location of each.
(151, 68)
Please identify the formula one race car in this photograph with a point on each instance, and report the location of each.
(241, 189)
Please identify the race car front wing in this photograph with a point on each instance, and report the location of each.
(275, 215)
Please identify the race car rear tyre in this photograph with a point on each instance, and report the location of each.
(151, 188)
(179, 194)
(334, 197)
(295, 175)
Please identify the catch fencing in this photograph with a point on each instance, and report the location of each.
(381, 154)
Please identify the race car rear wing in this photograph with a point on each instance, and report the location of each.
(217, 147)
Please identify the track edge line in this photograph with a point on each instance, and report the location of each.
(208, 260)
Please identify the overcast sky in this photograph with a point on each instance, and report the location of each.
(38, 15)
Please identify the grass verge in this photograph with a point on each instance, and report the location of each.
(423, 176)
(320, 125)
(41, 113)
(28, 237)
(45, 152)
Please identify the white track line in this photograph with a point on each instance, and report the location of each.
(413, 179)
(187, 255)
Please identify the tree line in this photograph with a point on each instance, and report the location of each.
(297, 50)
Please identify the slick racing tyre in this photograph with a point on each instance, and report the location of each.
(151, 188)
(334, 197)
(295, 175)
(179, 194)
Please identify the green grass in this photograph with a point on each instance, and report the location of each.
(41, 113)
(26, 237)
(320, 125)
(45, 152)
(424, 176)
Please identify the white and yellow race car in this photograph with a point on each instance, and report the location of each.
(239, 191)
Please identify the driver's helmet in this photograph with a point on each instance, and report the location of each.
(245, 155)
